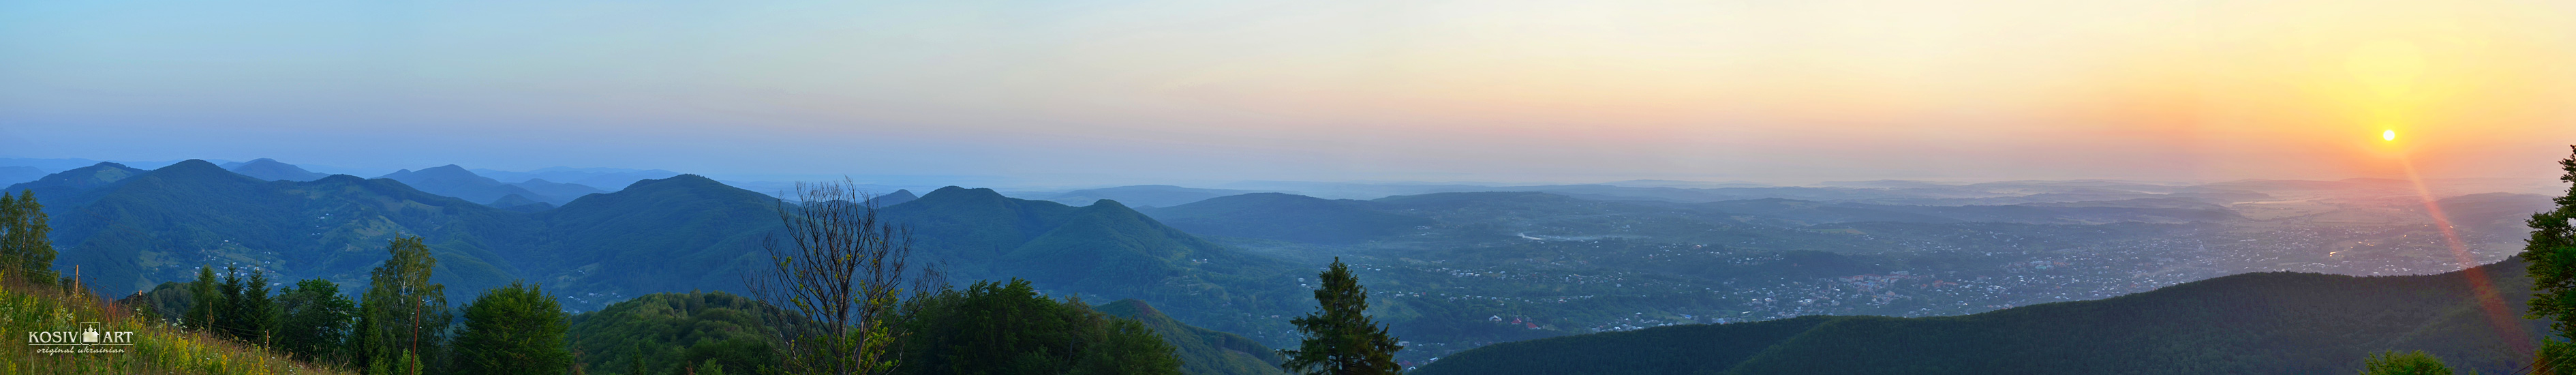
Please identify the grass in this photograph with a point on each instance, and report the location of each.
(159, 347)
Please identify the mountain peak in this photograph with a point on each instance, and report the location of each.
(273, 170)
(680, 181)
(954, 193)
(192, 165)
(899, 196)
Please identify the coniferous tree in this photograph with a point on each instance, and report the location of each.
(1341, 339)
(513, 330)
(402, 314)
(232, 316)
(208, 300)
(313, 319)
(258, 311)
(2552, 256)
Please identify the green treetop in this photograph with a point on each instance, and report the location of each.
(515, 330)
(402, 314)
(23, 231)
(1340, 337)
(2552, 256)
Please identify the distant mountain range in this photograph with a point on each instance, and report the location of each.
(1139, 195)
(272, 170)
(454, 181)
(130, 229)
(604, 179)
(11, 175)
(2260, 323)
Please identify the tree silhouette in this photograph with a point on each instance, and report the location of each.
(1340, 337)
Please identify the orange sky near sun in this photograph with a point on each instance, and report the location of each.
(1501, 90)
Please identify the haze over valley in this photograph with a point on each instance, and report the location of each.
(1453, 266)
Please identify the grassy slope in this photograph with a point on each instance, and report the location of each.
(158, 348)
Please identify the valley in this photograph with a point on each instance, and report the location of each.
(1450, 271)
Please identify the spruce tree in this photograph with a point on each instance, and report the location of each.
(258, 310)
(2552, 256)
(206, 300)
(515, 330)
(232, 317)
(1340, 337)
(313, 319)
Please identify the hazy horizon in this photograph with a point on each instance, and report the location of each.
(1111, 93)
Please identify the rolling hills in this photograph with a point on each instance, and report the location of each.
(2275, 322)
(129, 230)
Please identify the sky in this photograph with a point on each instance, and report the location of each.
(1150, 91)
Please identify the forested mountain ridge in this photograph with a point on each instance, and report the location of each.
(1202, 351)
(687, 232)
(1104, 251)
(2274, 322)
(454, 181)
(159, 225)
(73, 187)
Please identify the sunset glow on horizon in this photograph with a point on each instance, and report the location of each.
(1342, 90)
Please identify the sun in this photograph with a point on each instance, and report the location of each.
(2388, 135)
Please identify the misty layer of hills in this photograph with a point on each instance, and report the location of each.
(2261, 323)
(1449, 271)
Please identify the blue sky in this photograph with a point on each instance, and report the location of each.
(1112, 92)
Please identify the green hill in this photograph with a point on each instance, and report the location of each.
(672, 331)
(2262, 323)
(76, 186)
(162, 224)
(272, 170)
(1104, 251)
(1202, 351)
(674, 234)
(454, 181)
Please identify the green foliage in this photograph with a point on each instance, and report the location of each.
(2261, 323)
(1104, 251)
(1008, 328)
(1202, 351)
(403, 315)
(158, 348)
(1341, 339)
(517, 329)
(207, 294)
(24, 235)
(2552, 253)
(2408, 363)
(2554, 357)
(313, 320)
(658, 333)
(245, 311)
(680, 233)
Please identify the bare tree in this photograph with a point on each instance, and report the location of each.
(841, 268)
